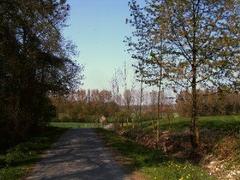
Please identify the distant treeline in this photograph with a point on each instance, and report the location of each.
(85, 105)
(90, 105)
(210, 102)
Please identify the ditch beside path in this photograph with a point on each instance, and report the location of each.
(78, 154)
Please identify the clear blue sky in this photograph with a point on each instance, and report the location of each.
(98, 28)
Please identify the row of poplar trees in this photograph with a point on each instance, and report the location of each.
(35, 63)
(187, 45)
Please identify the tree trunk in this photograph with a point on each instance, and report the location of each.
(158, 103)
(158, 115)
(141, 100)
(194, 126)
(160, 99)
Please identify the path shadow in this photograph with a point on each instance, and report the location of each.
(79, 154)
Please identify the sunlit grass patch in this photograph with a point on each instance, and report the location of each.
(74, 125)
(176, 170)
(227, 123)
(154, 163)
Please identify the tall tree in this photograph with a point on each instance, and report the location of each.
(201, 44)
(35, 62)
(148, 49)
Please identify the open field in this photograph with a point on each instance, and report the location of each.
(230, 123)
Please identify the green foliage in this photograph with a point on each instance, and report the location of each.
(122, 116)
(153, 163)
(176, 170)
(34, 64)
(20, 153)
(10, 173)
(14, 164)
(195, 45)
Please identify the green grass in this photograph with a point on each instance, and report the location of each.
(230, 123)
(153, 163)
(74, 125)
(220, 135)
(16, 161)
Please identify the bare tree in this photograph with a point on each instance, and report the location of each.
(115, 86)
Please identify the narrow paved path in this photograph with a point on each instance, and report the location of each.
(79, 154)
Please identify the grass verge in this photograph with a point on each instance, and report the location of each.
(16, 162)
(227, 123)
(153, 163)
(74, 125)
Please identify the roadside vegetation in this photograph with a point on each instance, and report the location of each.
(155, 164)
(17, 161)
(74, 125)
(218, 156)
